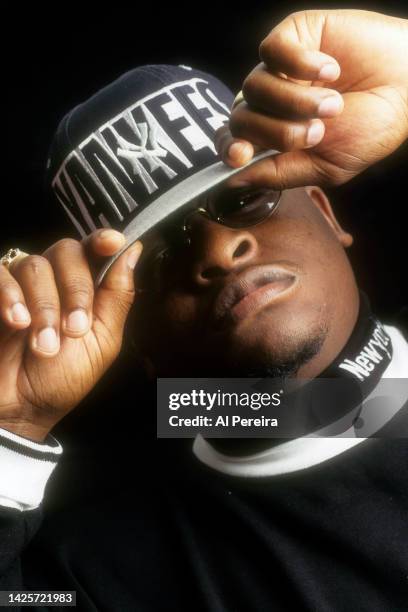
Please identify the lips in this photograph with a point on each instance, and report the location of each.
(250, 291)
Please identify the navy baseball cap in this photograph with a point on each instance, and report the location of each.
(140, 149)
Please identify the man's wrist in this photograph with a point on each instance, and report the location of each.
(25, 429)
(25, 468)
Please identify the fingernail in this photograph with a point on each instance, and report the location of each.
(239, 183)
(240, 149)
(329, 72)
(47, 340)
(19, 313)
(330, 106)
(77, 321)
(108, 234)
(315, 133)
(133, 258)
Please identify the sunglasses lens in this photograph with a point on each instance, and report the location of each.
(168, 242)
(243, 209)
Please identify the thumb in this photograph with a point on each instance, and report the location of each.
(115, 296)
(285, 171)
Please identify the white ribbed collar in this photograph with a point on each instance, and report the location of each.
(307, 451)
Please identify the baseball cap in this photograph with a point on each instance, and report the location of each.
(140, 149)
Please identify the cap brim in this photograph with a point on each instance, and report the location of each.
(174, 199)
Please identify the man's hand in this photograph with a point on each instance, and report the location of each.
(58, 336)
(331, 93)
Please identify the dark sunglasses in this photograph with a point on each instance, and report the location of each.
(235, 208)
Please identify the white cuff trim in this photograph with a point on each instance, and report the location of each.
(25, 467)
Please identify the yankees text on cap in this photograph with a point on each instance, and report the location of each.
(140, 149)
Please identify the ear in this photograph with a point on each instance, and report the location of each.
(320, 200)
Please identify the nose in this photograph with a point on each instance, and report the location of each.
(217, 250)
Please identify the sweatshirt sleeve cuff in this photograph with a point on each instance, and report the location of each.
(25, 467)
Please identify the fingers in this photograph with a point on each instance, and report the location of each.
(115, 296)
(292, 49)
(282, 171)
(271, 132)
(276, 114)
(279, 113)
(75, 286)
(72, 261)
(35, 277)
(284, 98)
(52, 295)
(250, 131)
(13, 309)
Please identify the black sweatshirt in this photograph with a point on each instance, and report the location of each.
(134, 523)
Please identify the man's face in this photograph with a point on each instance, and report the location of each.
(278, 297)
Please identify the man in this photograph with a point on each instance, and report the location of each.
(235, 278)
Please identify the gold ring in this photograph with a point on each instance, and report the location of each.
(238, 99)
(11, 256)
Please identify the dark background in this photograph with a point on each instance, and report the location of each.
(53, 56)
(56, 54)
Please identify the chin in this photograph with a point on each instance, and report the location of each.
(274, 339)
